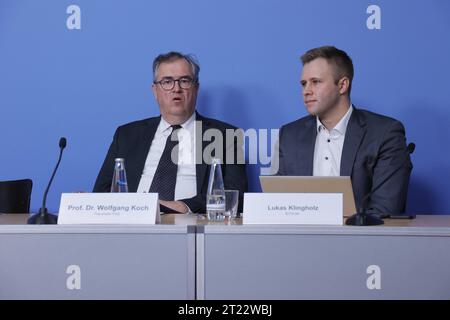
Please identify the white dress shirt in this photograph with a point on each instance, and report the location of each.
(328, 148)
(186, 183)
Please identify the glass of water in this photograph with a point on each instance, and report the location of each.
(231, 203)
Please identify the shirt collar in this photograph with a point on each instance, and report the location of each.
(188, 124)
(341, 126)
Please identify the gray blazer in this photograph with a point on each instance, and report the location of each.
(374, 147)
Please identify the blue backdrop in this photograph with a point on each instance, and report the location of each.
(81, 73)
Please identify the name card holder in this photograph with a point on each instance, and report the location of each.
(108, 208)
(293, 208)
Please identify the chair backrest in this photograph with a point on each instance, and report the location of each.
(15, 196)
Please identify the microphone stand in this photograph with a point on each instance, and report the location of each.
(43, 217)
(362, 218)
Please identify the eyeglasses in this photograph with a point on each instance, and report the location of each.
(169, 83)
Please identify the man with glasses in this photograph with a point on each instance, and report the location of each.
(166, 154)
(339, 139)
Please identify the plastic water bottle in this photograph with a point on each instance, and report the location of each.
(119, 181)
(215, 198)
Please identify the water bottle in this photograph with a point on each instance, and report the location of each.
(119, 181)
(215, 197)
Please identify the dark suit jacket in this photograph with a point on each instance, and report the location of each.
(132, 142)
(374, 147)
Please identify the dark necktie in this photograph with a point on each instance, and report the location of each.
(166, 173)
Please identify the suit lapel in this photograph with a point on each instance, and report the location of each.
(201, 125)
(147, 134)
(354, 134)
(306, 148)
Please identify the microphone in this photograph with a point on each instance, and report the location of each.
(43, 217)
(361, 218)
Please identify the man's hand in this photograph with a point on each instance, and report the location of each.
(177, 206)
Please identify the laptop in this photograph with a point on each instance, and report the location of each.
(312, 184)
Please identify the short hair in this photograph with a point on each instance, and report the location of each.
(338, 58)
(172, 56)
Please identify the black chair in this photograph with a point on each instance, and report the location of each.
(15, 196)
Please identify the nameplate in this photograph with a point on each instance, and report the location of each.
(108, 208)
(293, 208)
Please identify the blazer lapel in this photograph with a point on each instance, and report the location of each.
(307, 145)
(147, 134)
(354, 134)
(201, 125)
(301, 149)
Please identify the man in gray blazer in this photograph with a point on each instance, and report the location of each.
(337, 139)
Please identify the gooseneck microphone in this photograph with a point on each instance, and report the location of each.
(362, 218)
(43, 217)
